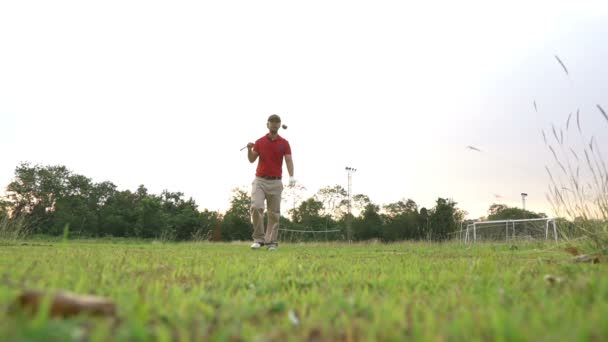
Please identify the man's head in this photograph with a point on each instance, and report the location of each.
(273, 124)
(274, 117)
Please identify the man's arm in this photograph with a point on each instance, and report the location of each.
(252, 155)
(289, 163)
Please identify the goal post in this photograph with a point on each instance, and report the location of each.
(511, 230)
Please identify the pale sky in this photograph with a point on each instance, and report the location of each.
(165, 93)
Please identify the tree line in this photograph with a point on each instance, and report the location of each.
(50, 198)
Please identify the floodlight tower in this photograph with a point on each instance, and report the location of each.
(349, 232)
(523, 204)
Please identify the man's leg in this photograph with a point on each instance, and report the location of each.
(257, 210)
(273, 197)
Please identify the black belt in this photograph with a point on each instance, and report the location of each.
(270, 177)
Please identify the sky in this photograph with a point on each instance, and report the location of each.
(165, 93)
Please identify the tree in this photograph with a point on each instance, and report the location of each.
(118, 215)
(184, 219)
(334, 200)
(308, 214)
(76, 208)
(4, 215)
(150, 217)
(237, 221)
(360, 201)
(369, 224)
(74, 211)
(400, 221)
(400, 207)
(504, 212)
(423, 224)
(209, 223)
(292, 197)
(34, 192)
(496, 208)
(102, 192)
(443, 219)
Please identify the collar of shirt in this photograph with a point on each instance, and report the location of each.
(275, 139)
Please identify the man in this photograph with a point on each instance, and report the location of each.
(267, 185)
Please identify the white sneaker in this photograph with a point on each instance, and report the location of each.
(257, 245)
(273, 246)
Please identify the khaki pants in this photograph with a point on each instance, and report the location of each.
(269, 190)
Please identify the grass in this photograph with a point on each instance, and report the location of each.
(579, 185)
(13, 229)
(579, 181)
(205, 291)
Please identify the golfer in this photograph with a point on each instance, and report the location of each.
(267, 185)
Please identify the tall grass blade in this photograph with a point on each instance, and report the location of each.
(562, 64)
(603, 112)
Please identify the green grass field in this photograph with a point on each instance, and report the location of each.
(217, 291)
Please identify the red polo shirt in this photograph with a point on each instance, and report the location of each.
(271, 155)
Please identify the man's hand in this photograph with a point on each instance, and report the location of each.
(252, 155)
(292, 181)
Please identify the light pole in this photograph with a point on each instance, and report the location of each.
(523, 203)
(349, 232)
